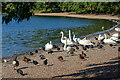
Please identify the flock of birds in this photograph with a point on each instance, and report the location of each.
(68, 44)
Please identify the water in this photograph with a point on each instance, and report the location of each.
(32, 34)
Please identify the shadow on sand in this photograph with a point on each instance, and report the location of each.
(111, 70)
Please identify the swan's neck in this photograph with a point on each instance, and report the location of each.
(69, 35)
(73, 36)
(105, 36)
(65, 44)
(62, 35)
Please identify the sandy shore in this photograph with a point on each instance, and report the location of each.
(101, 63)
(90, 16)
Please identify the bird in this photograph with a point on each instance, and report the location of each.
(76, 47)
(49, 46)
(100, 46)
(84, 41)
(15, 63)
(96, 38)
(75, 39)
(84, 48)
(114, 38)
(58, 48)
(42, 57)
(45, 62)
(35, 62)
(5, 60)
(69, 41)
(108, 41)
(98, 43)
(117, 29)
(19, 71)
(68, 49)
(115, 35)
(60, 58)
(101, 37)
(43, 48)
(83, 54)
(26, 59)
(30, 53)
(36, 51)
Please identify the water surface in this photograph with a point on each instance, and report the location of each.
(30, 35)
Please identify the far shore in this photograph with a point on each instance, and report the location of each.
(90, 16)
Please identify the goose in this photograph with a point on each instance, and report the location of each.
(115, 35)
(68, 48)
(108, 41)
(69, 41)
(117, 29)
(101, 37)
(48, 46)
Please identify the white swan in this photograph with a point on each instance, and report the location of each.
(117, 29)
(115, 35)
(75, 39)
(85, 42)
(67, 48)
(108, 41)
(69, 42)
(48, 46)
(114, 38)
(101, 37)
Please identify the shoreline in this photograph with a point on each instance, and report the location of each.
(89, 35)
(99, 61)
(88, 16)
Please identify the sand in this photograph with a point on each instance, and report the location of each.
(101, 63)
(90, 16)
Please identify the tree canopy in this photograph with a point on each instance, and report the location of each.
(23, 10)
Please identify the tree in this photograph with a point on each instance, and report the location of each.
(17, 11)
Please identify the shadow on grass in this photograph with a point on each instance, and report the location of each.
(111, 70)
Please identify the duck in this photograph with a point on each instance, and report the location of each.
(69, 41)
(45, 62)
(36, 51)
(60, 58)
(117, 29)
(35, 62)
(69, 49)
(30, 53)
(48, 46)
(108, 41)
(15, 63)
(42, 57)
(83, 54)
(5, 60)
(26, 59)
(19, 71)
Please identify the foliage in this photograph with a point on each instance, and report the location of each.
(21, 10)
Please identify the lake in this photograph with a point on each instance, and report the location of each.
(31, 35)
